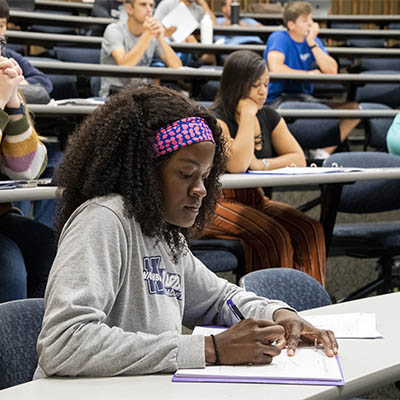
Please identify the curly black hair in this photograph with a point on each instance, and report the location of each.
(112, 152)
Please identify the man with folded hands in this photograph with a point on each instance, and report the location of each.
(134, 43)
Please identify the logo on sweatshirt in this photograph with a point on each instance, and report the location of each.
(159, 281)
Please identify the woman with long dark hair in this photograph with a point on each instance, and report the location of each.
(273, 234)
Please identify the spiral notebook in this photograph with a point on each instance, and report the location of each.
(309, 366)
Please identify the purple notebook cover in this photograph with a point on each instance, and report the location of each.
(264, 380)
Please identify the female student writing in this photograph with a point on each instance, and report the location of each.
(138, 174)
(273, 234)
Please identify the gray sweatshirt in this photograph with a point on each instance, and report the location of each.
(115, 301)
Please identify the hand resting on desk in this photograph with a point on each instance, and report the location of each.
(298, 330)
(255, 341)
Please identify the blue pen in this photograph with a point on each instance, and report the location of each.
(235, 310)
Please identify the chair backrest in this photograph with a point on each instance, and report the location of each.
(64, 86)
(376, 128)
(384, 93)
(312, 133)
(20, 324)
(368, 196)
(296, 288)
(25, 5)
(380, 64)
(76, 54)
(220, 255)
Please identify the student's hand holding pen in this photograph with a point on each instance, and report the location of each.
(298, 330)
(247, 342)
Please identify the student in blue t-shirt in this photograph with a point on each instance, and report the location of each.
(299, 50)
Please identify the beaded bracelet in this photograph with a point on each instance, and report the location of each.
(217, 360)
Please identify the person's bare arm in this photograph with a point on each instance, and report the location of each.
(241, 148)
(133, 56)
(207, 9)
(285, 145)
(276, 63)
(168, 55)
(325, 62)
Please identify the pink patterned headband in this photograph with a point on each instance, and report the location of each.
(182, 133)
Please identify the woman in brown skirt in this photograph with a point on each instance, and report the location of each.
(273, 234)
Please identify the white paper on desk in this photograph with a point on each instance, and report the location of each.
(184, 21)
(305, 170)
(347, 326)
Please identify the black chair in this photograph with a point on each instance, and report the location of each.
(20, 324)
(220, 255)
(312, 133)
(358, 42)
(67, 30)
(376, 128)
(368, 239)
(294, 287)
(77, 54)
(82, 55)
(380, 64)
(64, 86)
(383, 93)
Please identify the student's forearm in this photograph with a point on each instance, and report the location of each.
(208, 10)
(169, 56)
(24, 156)
(242, 149)
(325, 63)
(284, 69)
(132, 58)
(287, 160)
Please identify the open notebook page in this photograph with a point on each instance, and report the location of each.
(307, 366)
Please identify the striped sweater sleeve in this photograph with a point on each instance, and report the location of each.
(23, 155)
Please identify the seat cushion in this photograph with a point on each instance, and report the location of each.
(312, 133)
(219, 255)
(217, 260)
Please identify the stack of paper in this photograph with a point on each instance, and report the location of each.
(309, 367)
(347, 326)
